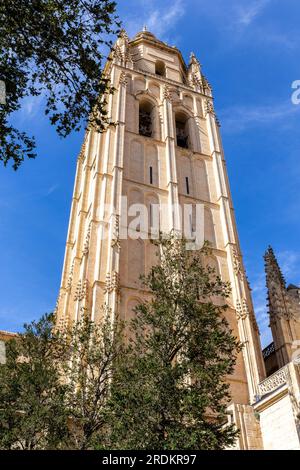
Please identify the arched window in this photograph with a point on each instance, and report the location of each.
(145, 119)
(160, 68)
(182, 134)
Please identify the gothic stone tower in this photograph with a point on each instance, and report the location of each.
(164, 147)
(284, 311)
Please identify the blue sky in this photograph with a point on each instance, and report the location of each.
(249, 51)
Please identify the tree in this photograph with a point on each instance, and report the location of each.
(171, 393)
(92, 355)
(53, 48)
(32, 412)
(55, 385)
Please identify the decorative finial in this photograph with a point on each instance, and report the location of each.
(193, 59)
(145, 28)
(123, 35)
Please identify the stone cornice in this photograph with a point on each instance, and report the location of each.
(179, 150)
(268, 400)
(154, 189)
(160, 45)
(159, 78)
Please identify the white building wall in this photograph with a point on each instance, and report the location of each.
(278, 426)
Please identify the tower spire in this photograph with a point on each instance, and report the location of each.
(284, 309)
(272, 269)
(193, 59)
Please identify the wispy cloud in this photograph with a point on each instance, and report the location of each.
(272, 36)
(236, 13)
(157, 18)
(161, 21)
(289, 262)
(239, 118)
(51, 189)
(247, 13)
(31, 105)
(31, 110)
(246, 21)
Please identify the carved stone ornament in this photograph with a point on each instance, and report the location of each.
(242, 310)
(107, 287)
(59, 297)
(116, 232)
(62, 323)
(112, 282)
(128, 57)
(209, 107)
(70, 277)
(121, 52)
(273, 382)
(115, 282)
(86, 245)
(237, 264)
(124, 36)
(117, 54)
(123, 79)
(81, 290)
(167, 93)
(81, 155)
(207, 88)
(195, 80)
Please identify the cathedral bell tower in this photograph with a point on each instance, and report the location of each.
(163, 149)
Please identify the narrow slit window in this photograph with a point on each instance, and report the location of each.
(187, 184)
(151, 216)
(151, 174)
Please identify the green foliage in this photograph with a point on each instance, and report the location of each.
(158, 382)
(55, 385)
(32, 413)
(171, 393)
(92, 351)
(53, 48)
